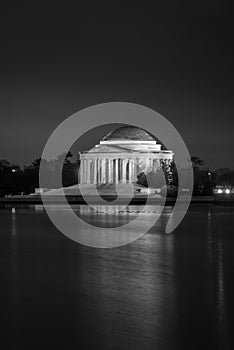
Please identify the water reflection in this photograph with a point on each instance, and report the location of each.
(209, 235)
(14, 271)
(134, 289)
(114, 216)
(224, 338)
(161, 291)
(216, 261)
(39, 207)
(13, 221)
(220, 278)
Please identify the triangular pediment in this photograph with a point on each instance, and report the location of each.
(109, 149)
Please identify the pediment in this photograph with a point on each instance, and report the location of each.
(109, 149)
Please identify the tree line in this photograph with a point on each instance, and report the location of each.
(15, 179)
(204, 179)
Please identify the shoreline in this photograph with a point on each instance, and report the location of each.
(109, 199)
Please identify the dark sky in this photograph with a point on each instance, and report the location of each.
(175, 57)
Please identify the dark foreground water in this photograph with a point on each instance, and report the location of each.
(161, 292)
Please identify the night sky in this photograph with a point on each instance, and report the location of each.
(175, 57)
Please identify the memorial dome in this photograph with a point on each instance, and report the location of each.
(128, 133)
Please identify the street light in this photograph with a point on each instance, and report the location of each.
(210, 175)
(13, 179)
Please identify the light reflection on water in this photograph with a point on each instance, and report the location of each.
(159, 292)
(209, 235)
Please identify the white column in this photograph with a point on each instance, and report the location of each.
(116, 171)
(91, 171)
(130, 171)
(84, 172)
(151, 164)
(88, 171)
(135, 168)
(105, 165)
(107, 170)
(110, 170)
(103, 171)
(157, 164)
(95, 171)
(120, 169)
(147, 165)
(124, 165)
(81, 172)
(98, 171)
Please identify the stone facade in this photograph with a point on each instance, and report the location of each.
(121, 156)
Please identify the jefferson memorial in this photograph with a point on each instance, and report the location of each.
(121, 155)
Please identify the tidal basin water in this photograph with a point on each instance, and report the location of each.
(162, 291)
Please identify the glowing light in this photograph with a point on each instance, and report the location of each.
(13, 170)
(220, 191)
(227, 191)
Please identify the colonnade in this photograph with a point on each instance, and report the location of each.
(114, 170)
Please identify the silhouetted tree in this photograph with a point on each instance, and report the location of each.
(203, 184)
(154, 179)
(10, 177)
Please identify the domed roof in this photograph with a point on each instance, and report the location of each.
(128, 133)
